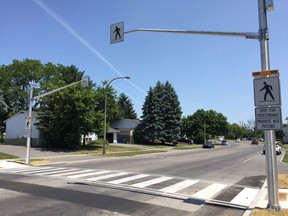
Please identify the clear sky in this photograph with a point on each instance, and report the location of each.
(207, 72)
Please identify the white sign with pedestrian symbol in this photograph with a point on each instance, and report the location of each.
(27, 123)
(117, 32)
(267, 91)
(27, 127)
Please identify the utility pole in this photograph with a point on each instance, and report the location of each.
(270, 156)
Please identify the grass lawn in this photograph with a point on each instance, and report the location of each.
(122, 150)
(187, 146)
(34, 161)
(4, 156)
(283, 181)
(285, 159)
(265, 212)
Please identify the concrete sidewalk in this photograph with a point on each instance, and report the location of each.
(52, 156)
(20, 151)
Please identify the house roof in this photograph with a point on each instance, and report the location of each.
(34, 114)
(112, 130)
(125, 123)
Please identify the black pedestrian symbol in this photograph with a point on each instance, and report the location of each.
(28, 124)
(268, 89)
(117, 31)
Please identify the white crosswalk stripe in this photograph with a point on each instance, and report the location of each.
(31, 169)
(35, 171)
(71, 172)
(179, 186)
(106, 176)
(88, 174)
(210, 191)
(203, 191)
(245, 197)
(130, 178)
(151, 182)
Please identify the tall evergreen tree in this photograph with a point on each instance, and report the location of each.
(146, 132)
(172, 111)
(161, 116)
(126, 107)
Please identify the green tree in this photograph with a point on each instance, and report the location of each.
(146, 131)
(68, 114)
(161, 116)
(14, 84)
(204, 125)
(63, 116)
(3, 109)
(249, 129)
(235, 131)
(126, 109)
(3, 106)
(172, 113)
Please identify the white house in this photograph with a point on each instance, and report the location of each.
(15, 129)
(89, 137)
(126, 128)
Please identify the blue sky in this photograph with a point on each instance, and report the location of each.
(207, 72)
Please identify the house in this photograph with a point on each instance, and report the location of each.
(16, 133)
(112, 135)
(89, 137)
(125, 128)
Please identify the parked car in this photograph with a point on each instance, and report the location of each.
(277, 148)
(208, 145)
(224, 142)
(186, 140)
(254, 142)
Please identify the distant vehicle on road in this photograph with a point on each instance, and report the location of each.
(254, 142)
(224, 142)
(208, 145)
(277, 148)
(186, 140)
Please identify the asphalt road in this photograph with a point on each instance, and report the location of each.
(227, 164)
(49, 190)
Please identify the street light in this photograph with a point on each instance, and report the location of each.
(28, 120)
(105, 110)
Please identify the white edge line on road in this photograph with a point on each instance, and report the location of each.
(250, 159)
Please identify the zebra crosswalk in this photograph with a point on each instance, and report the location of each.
(239, 195)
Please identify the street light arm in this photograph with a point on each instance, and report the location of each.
(127, 77)
(247, 35)
(56, 90)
